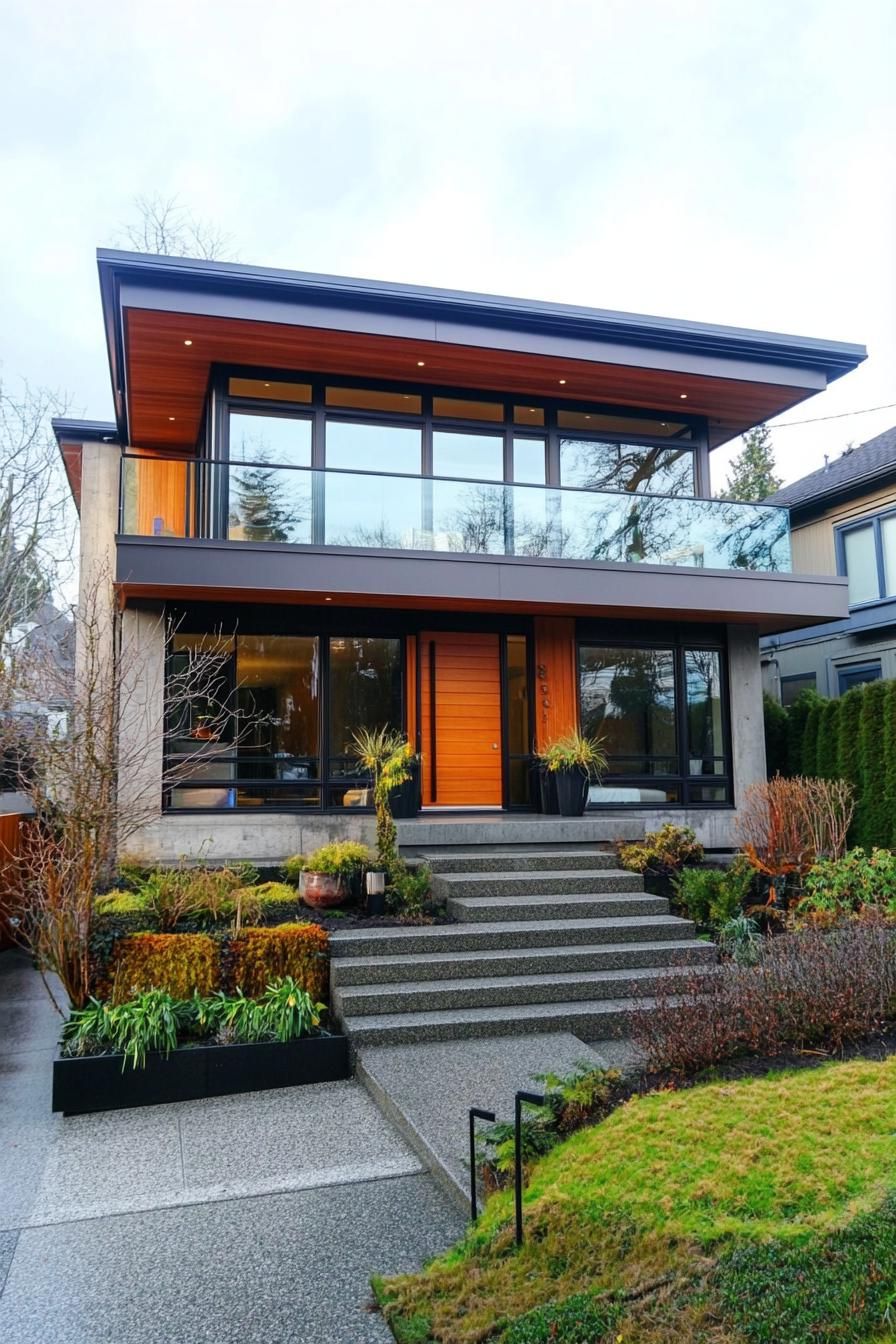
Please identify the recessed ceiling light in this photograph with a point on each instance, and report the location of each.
(188, 342)
(562, 381)
(171, 417)
(267, 384)
(421, 364)
(587, 417)
(328, 599)
(684, 396)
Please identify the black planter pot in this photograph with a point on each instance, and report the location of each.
(98, 1082)
(660, 882)
(547, 791)
(572, 792)
(405, 799)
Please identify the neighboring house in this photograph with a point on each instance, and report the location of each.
(484, 521)
(843, 521)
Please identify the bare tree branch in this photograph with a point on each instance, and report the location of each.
(165, 227)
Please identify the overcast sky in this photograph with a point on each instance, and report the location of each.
(723, 160)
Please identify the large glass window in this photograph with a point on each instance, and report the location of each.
(602, 422)
(468, 456)
(278, 697)
(660, 713)
(592, 465)
(628, 699)
(528, 461)
(375, 399)
(354, 446)
(265, 500)
(365, 692)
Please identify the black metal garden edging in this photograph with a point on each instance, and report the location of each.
(476, 1113)
(522, 1099)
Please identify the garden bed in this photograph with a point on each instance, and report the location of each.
(82, 1084)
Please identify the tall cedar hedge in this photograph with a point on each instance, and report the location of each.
(853, 738)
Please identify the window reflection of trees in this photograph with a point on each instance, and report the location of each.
(628, 697)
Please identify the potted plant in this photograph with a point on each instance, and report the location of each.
(334, 873)
(388, 757)
(573, 761)
(661, 856)
(404, 798)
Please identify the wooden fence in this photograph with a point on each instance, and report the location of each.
(10, 840)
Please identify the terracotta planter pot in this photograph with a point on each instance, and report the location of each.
(322, 890)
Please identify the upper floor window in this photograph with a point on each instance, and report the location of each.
(867, 556)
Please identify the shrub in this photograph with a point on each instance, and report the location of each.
(581, 1319)
(714, 895)
(293, 868)
(785, 824)
(873, 823)
(662, 851)
(741, 940)
(409, 892)
(838, 1286)
(836, 888)
(180, 964)
(118, 902)
(808, 989)
(172, 895)
(340, 858)
(389, 758)
(257, 956)
(797, 719)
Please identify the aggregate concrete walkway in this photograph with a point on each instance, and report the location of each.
(254, 1219)
(428, 1088)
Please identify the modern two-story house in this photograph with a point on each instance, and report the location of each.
(481, 520)
(843, 521)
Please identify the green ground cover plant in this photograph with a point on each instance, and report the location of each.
(664, 851)
(835, 889)
(154, 1020)
(713, 896)
(749, 1212)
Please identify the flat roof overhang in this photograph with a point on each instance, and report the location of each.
(215, 571)
(283, 320)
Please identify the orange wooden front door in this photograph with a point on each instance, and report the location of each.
(461, 739)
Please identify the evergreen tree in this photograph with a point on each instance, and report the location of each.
(873, 823)
(887, 763)
(260, 506)
(828, 740)
(797, 715)
(752, 476)
(809, 763)
(775, 719)
(848, 744)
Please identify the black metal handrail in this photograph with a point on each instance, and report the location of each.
(476, 1113)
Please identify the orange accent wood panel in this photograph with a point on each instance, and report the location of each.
(168, 381)
(556, 698)
(155, 495)
(467, 720)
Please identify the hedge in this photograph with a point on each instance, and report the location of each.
(853, 738)
(182, 963)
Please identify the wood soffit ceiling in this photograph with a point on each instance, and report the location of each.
(166, 378)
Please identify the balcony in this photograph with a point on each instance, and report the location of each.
(381, 511)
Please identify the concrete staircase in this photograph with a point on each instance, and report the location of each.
(549, 939)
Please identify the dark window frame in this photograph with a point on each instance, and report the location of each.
(798, 676)
(680, 644)
(549, 431)
(872, 520)
(845, 669)
(324, 783)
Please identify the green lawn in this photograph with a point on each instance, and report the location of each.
(749, 1211)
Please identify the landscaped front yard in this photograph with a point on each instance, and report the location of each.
(762, 1210)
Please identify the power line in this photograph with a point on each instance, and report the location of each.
(844, 415)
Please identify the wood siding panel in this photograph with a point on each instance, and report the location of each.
(155, 503)
(467, 720)
(813, 543)
(168, 379)
(556, 692)
(10, 843)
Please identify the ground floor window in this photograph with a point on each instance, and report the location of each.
(662, 714)
(273, 721)
(856, 674)
(792, 687)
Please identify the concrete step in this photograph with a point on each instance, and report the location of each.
(572, 905)
(589, 1019)
(440, 966)
(500, 991)
(549, 882)
(506, 935)
(517, 860)
(532, 830)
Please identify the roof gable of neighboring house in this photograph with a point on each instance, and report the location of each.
(850, 474)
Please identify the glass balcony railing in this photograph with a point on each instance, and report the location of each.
(298, 505)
